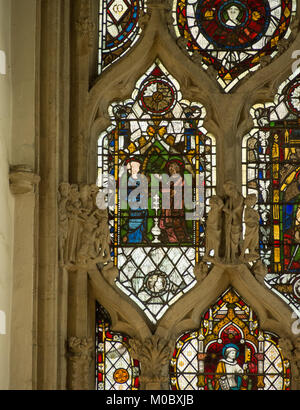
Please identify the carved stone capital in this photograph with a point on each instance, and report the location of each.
(80, 353)
(154, 355)
(22, 179)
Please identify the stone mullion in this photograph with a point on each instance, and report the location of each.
(51, 22)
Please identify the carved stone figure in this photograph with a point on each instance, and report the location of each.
(213, 227)
(233, 209)
(84, 234)
(251, 240)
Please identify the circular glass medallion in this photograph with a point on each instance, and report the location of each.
(156, 282)
(157, 96)
(121, 376)
(296, 287)
(293, 98)
(233, 24)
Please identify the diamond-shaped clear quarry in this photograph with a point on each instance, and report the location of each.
(118, 8)
(169, 270)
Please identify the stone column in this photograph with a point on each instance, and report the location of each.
(23, 184)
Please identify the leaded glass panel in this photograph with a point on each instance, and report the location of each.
(160, 136)
(229, 351)
(115, 368)
(233, 36)
(271, 165)
(118, 29)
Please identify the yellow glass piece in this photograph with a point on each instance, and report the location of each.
(286, 12)
(277, 255)
(276, 195)
(282, 28)
(131, 148)
(231, 297)
(209, 15)
(170, 140)
(162, 131)
(227, 77)
(255, 15)
(142, 141)
(276, 171)
(286, 136)
(274, 41)
(276, 232)
(276, 211)
(121, 376)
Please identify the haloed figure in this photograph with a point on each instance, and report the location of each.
(229, 373)
(233, 13)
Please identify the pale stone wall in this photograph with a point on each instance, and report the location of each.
(6, 199)
(23, 180)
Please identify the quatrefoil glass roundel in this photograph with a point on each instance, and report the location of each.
(233, 35)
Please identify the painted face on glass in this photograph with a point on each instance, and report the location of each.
(231, 354)
(174, 168)
(134, 167)
(233, 14)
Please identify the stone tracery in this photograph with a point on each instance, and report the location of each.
(96, 124)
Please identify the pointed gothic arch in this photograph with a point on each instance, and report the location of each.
(75, 289)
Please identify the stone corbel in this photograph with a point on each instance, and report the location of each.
(80, 354)
(22, 179)
(154, 355)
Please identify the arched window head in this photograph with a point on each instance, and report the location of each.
(160, 161)
(229, 352)
(115, 368)
(233, 36)
(271, 169)
(119, 29)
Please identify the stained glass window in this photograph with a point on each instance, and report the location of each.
(229, 351)
(271, 165)
(118, 29)
(233, 35)
(115, 368)
(159, 135)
